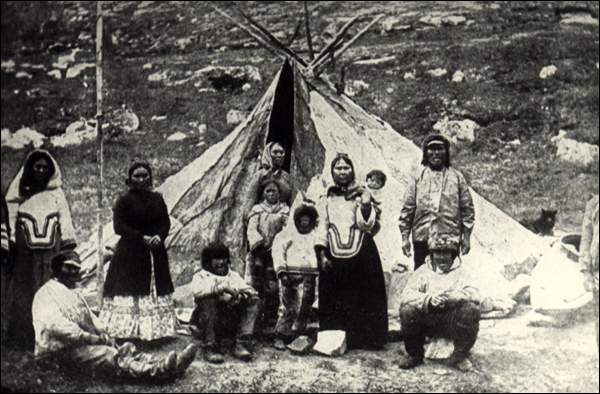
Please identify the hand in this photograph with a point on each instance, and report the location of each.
(465, 244)
(400, 268)
(406, 248)
(148, 241)
(155, 242)
(225, 297)
(107, 340)
(589, 282)
(438, 302)
(454, 297)
(326, 264)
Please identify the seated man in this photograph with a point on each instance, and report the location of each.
(226, 306)
(438, 302)
(66, 329)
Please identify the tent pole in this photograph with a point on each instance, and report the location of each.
(311, 52)
(317, 67)
(100, 150)
(273, 40)
(252, 34)
(333, 42)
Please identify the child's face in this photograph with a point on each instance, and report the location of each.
(271, 194)
(374, 183)
(305, 224)
(220, 266)
(442, 259)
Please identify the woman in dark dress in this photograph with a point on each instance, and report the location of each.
(138, 289)
(352, 293)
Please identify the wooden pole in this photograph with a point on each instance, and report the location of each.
(311, 52)
(251, 33)
(332, 44)
(318, 66)
(271, 38)
(100, 151)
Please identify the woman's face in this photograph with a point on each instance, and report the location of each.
(277, 155)
(342, 173)
(140, 179)
(41, 170)
(271, 193)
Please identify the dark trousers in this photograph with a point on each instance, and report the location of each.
(264, 280)
(217, 320)
(460, 324)
(296, 298)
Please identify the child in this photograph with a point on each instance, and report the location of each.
(295, 264)
(226, 306)
(438, 301)
(376, 180)
(264, 222)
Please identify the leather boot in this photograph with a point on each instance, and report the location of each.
(240, 351)
(213, 354)
(186, 357)
(410, 362)
(144, 366)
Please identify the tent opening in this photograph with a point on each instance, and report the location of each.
(281, 123)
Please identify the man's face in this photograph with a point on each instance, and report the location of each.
(442, 260)
(41, 170)
(342, 173)
(374, 183)
(277, 155)
(69, 274)
(271, 194)
(436, 155)
(220, 266)
(304, 224)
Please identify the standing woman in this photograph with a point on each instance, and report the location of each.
(271, 167)
(138, 290)
(352, 293)
(42, 228)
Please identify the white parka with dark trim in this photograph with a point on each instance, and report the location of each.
(45, 217)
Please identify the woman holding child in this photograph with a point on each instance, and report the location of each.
(352, 293)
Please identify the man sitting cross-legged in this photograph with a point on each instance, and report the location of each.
(439, 302)
(226, 306)
(66, 328)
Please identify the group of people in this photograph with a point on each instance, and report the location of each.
(327, 248)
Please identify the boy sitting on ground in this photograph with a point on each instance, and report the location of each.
(295, 263)
(226, 306)
(439, 302)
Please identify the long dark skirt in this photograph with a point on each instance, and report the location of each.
(352, 298)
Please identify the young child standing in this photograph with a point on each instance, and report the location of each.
(264, 222)
(295, 263)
